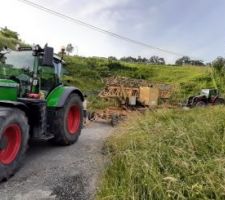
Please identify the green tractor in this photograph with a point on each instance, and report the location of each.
(34, 104)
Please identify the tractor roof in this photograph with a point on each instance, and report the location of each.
(27, 48)
(3, 52)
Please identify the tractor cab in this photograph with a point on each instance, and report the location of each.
(34, 104)
(209, 93)
(33, 71)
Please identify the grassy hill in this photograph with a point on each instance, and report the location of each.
(89, 74)
(9, 42)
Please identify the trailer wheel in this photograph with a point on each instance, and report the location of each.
(91, 116)
(67, 127)
(14, 134)
(114, 120)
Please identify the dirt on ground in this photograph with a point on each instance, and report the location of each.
(60, 173)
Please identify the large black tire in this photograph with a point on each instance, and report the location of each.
(14, 135)
(67, 127)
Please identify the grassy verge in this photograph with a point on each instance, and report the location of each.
(167, 154)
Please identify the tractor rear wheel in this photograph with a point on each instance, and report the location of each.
(14, 134)
(200, 104)
(67, 127)
(219, 101)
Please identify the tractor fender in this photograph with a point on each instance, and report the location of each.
(190, 101)
(68, 91)
(59, 95)
(195, 99)
(15, 104)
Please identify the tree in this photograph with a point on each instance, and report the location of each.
(219, 65)
(69, 48)
(183, 60)
(128, 59)
(162, 61)
(124, 59)
(156, 60)
(197, 62)
(9, 33)
(112, 58)
(139, 59)
(218, 75)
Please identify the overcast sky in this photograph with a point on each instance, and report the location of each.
(191, 27)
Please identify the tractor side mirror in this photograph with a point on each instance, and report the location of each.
(48, 56)
(63, 51)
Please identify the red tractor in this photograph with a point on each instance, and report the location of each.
(206, 97)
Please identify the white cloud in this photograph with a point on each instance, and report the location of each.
(91, 8)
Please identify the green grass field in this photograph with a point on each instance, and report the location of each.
(167, 154)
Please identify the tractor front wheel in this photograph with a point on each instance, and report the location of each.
(14, 134)
(67, 127)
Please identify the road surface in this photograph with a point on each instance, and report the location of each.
(60, 173)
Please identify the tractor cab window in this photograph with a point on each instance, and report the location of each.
(19, 60)
(57, 68)
(213, 93)
(17, 64)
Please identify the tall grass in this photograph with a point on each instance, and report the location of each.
(167, 154)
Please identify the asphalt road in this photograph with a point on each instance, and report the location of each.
(61, 173)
